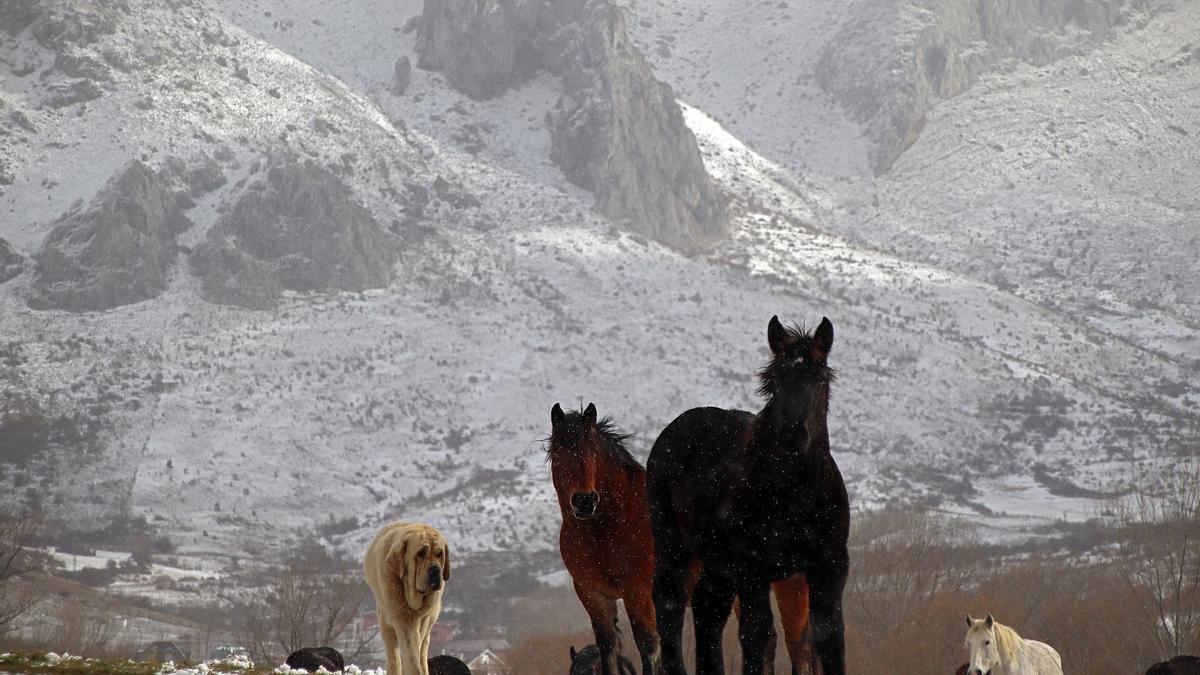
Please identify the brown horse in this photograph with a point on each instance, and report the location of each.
(607, 545)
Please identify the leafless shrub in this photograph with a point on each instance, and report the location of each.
(312, 602)
(1158, 555)
(20, 569)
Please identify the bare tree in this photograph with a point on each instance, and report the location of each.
(1158, 554)
(313, 602)
(19, 567)
(903, 558)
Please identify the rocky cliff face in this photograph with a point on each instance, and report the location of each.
(115, 251)
(616, 130)
(941, 47)
(298, 227)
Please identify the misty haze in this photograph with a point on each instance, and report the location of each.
(277, 273)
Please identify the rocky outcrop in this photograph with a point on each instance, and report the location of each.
(616, 130)
(483, 48)
(298, 227)
(11, 262)
(115, 251)
(889, 67)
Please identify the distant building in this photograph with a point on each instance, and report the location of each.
(161, 651)
(488, 663)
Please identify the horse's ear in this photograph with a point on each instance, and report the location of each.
(776, 336)
(556, 415)
(823, 338)
(990, 621)
(573, 654)
(589, 415)
(970, 620)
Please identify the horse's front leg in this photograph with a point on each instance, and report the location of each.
(828, 627)
(756, 623)
(640, 607)
(711, 601)
(603, 613)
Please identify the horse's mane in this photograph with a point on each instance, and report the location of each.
(1007, 642)
(571, 428)
(799, 341)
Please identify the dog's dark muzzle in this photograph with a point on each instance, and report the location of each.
(434, 577)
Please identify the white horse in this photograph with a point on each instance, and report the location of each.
(996, 649)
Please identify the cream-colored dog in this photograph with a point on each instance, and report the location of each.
(406, 567)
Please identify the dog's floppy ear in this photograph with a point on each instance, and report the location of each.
(396, 558)
(446, 567)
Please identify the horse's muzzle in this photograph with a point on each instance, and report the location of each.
(583, 504)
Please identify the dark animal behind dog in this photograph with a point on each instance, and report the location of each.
(1180, 665)
(587, 662)
(447, 665)
(312, 658)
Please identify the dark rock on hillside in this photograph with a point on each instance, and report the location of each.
(616, 131)
(888, 68)
(115, 251)
(401, 75)
(16, 15)
(199, 176)
(483, 48)
(11, 262)
(77, 22)
(79, 91)
(297, 228)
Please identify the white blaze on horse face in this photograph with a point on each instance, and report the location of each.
(981, 643)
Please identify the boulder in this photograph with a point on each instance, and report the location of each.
(401, 75)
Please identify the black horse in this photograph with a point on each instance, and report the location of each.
(757, 498)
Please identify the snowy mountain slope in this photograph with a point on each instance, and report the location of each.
(1055, 161)
(235, 431)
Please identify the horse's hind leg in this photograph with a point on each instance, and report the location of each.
(603, 612)
(672, 563)
(640, 608)
(792, 596)
(711, 601)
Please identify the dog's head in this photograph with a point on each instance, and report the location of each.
(420, 559)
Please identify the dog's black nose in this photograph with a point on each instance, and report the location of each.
(584, 504)
(435, 577)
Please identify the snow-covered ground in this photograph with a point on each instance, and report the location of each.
(241, 433)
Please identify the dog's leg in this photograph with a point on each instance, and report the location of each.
(390, 645)
(603, 612)
(410, 652)
(711, 601)
(640, 608)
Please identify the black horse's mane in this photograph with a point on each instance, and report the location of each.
(799, 341)
(571, 428)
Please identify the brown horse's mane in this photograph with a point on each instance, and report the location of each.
(799, 341)
(568, 432)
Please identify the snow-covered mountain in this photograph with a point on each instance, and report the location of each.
(1013, 287)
